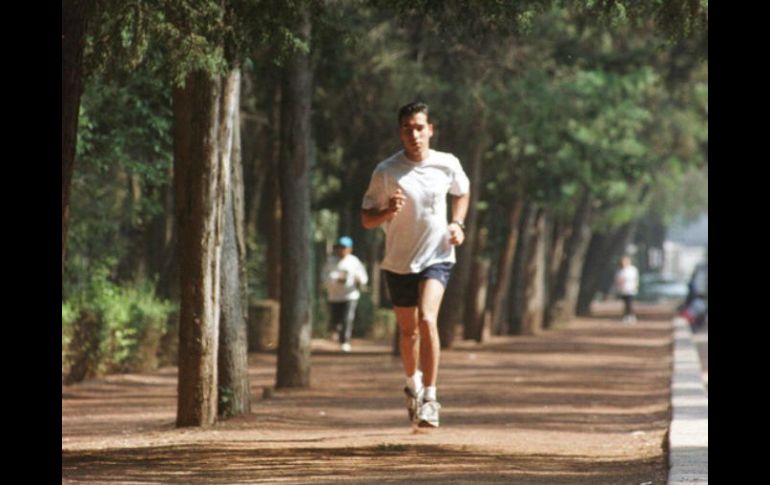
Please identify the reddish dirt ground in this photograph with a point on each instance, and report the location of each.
(588, 403)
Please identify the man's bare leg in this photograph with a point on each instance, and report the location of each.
(409, 337)
(431, 293)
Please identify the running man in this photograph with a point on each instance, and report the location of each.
(407, 197)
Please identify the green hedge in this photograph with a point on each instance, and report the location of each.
(112, 328)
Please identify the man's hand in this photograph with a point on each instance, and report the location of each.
(371, 218)
(396, 202)
(456, 234)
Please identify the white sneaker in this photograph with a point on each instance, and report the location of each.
(413, 402)
(427, 416)
(345, 347)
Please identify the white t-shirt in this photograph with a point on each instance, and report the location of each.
(348, 268)
(418, 236)
(627, 281)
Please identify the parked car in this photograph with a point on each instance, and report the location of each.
(656, 287)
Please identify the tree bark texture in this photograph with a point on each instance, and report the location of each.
(457, 297)
(234, 395)
(293, 368)
(473, 319)
(201, 180)
(534, 293)
(238, 183)
(74, 23)
(556, 250)
(505, 265)
(563, 300)
(516, 301)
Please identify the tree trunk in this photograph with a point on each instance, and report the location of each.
(534, 293)
(560, 235)
(201, 180)
(505, 265)
(274, 213)
(650, 236)
(74, 23)
(234, 396)
(457, 297)
(516, 301)
(159, 237)
(563, 300)
(601, 259)
(239, 206)
(133, 266)
(473, 328)
(293, 369)
(168, 279)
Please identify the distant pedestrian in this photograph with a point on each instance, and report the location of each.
(343, 275)
(627, 286)
(695, 307)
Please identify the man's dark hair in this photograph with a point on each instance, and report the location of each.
(413, 108)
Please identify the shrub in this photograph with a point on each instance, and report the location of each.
(384, 325)
(364, 316)
(109, 327)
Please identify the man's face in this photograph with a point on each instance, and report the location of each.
(415, 134)
(342, 251)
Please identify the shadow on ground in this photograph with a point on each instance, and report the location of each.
(388, 464)
(588, 403)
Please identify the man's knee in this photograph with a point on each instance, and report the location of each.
(411, 332)
(428, 323)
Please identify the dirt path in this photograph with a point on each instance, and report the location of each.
(584, 404)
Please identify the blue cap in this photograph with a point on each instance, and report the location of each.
(345, 242)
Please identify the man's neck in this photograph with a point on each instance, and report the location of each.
(418, 156)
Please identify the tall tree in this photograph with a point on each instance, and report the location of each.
(516, 305)
(74, 24)
(563, 297)
(505, 266)
(534, 294)
(234, 393)
(293, 368)
(201, 180)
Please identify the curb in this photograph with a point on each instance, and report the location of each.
(688, 434)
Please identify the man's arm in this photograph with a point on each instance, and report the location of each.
(459, 211)
(460, 207)
(371, 218)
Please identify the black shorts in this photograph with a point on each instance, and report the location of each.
(404, 289)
